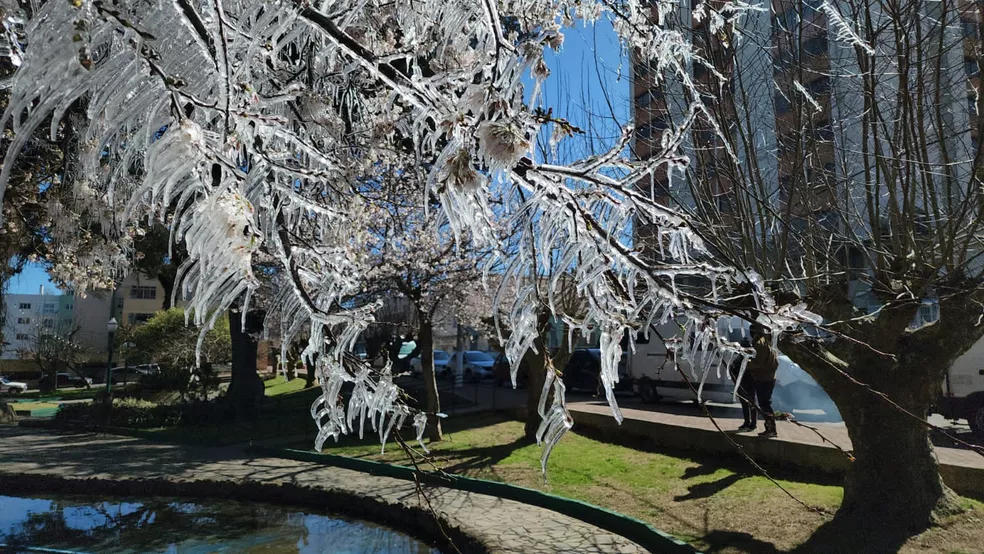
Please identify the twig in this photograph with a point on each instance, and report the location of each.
(420, 489)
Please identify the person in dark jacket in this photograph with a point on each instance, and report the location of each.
(746, 394)
(763, 371)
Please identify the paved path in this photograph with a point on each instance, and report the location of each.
(500, 525)
(689, 415)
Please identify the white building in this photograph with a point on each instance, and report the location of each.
(29, 314)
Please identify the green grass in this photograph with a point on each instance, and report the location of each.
(34, 405)
(689, 497)
(65, 394)
(277, 386)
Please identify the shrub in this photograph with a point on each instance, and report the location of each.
(131, 413)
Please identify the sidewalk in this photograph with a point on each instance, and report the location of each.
(46, 460)
(684, 426)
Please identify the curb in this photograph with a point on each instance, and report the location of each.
(633, 529)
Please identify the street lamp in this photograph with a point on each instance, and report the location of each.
(111, 327)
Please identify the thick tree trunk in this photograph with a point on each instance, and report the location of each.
(893, 488)
(246, 387)
(895, 479)
(425, 343)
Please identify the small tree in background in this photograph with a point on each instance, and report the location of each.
(166, 339)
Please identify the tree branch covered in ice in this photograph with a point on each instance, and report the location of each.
(248, 125)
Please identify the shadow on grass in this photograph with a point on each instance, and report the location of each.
(709, 489)
(472, 460)
(731, 541)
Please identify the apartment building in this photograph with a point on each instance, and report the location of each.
(787, 98)
(28, 315)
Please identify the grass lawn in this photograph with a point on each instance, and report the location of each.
(65, 394)
(31, 405)
(277, 386)
(717, 506)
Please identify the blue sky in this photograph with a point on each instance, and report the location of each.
(588, 85)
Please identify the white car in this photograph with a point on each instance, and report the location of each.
(441, 359)
(12, 387)
(477, 365)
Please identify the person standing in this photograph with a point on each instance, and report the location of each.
(746, 394)
(763, 372)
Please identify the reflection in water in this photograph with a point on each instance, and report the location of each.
(168, 525)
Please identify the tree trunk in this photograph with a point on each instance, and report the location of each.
(246, 387)
(309, 375)
(7, 413)
(895, 478)
(893, 488)
(425, 343)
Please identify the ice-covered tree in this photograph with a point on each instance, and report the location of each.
(410, 254)
(254, 125)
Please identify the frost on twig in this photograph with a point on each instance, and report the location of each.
(254, 130)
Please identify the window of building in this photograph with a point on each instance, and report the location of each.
(23, 321)
(819, 87)
(646, 98)
(815, 46)
(699, 70)
(969, 28)
(782, 103)
(48, 323)
(137, 318)
(49, 309)
(971, 67)
(823, 132)
(23, 336)
(25, 306)
(811, 7)
(785, 184)
(143, 292)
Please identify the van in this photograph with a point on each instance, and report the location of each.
(655, 378)
(963, 389)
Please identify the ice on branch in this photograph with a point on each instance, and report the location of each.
(256, 131)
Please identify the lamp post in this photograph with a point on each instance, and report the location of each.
(111, 326)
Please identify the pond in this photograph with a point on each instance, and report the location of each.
(130, 525)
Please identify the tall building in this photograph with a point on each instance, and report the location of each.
(787, 118)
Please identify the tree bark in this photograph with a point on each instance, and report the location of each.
(893, 485)
(7, 413)
(246, 387)
(425, 343)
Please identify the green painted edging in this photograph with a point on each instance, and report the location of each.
(633, 529)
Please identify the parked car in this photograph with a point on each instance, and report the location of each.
(148, 369)
(502, 376)
(441, 359)
(583, 371)
(63, 380)
(133, 374)
(477, 365)
(12, 387)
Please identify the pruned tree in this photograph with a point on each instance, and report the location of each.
(841, 165)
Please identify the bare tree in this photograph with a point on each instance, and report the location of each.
(835, 154)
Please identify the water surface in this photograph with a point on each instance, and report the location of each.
(131, 525)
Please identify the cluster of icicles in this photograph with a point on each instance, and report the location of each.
(200, 132)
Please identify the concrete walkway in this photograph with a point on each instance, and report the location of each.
(90, 459)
